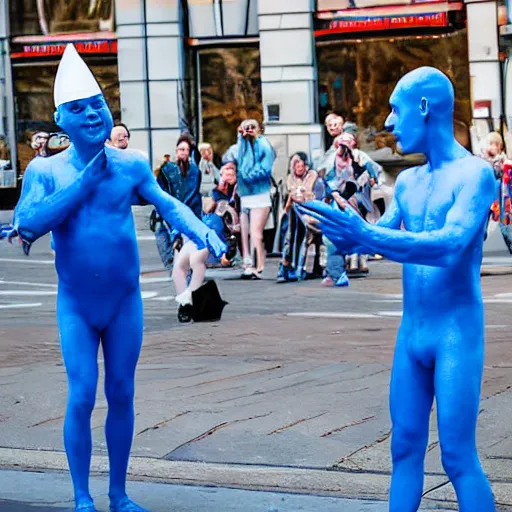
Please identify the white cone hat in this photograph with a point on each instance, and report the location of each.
(74, 80)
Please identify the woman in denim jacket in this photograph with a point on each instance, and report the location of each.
(255, 160)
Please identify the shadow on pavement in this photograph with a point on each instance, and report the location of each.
(16, 506)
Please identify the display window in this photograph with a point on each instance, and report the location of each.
(230, 91)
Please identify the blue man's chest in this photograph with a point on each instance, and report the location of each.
(113, 192)
(426, 201)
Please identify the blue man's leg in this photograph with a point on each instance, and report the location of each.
(122, 341)
(458, 377)
(79, 343)
(411, 397)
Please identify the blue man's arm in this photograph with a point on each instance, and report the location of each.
(392, 218)
(41, 208)
(176, 213)
(440, 247)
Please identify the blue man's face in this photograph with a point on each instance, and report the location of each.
(87, 121)
(406, 122)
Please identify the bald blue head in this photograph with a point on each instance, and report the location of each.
(421, 106)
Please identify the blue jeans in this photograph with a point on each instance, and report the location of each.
(164, 244)
(335, 261)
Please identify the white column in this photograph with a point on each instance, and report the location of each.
(483, 51)
(151, 71)
(7, 124)
(289, 77)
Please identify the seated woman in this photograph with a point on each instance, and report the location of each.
(224, 220)
(301, 187)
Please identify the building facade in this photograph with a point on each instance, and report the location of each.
(205, 65)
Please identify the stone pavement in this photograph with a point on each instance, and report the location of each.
(289, 392)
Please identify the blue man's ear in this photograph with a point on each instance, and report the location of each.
(425, 108)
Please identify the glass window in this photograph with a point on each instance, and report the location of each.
(33, 91)
(234, 17)
(229, 18)
(356, 79)
(202, 19)
(230, 92)
(28, 17)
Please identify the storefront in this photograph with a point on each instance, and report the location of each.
(363, 47)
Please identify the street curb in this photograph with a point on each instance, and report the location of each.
(495, 271)
(314, 482)
(304, 481)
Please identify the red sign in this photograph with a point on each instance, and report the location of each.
(335, 5)
(352, 24)
(57, 49)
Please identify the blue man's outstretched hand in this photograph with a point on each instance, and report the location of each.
(339, 222)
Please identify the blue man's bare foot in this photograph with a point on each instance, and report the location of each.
(125, 505)
(85, 506)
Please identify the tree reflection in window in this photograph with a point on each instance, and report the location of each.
(43, 17)
(359, 77)
(33, 89)
(230, 92)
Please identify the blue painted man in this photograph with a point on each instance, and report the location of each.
(84, 196)
(443, 207)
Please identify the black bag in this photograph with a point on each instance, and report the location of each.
(207, 303)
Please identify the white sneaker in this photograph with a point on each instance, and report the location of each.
(184, 298)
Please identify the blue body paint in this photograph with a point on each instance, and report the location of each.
(439, 353)
(84, 196)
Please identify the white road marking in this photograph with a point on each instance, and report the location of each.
(332, 315)
(33, 293)
(24, 305)
(165, 298)
(149, 295)
(498, 301)
(146, 238)
(346, 315)
(151, 280)
(24, 283)
(27, 260)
